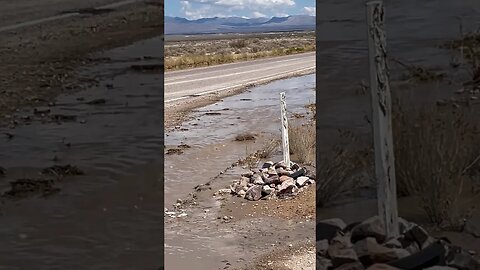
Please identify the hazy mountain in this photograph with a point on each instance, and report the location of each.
(177, 25)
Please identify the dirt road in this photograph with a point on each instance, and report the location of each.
(180, 85)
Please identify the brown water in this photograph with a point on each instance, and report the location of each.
(110, 218)
(201, 242)
(415, 30)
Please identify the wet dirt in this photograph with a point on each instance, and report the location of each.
(415, 32)
(105, 212)
(205, 239)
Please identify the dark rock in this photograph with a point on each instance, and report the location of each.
(2, 171)
(254, 193)
(295, 167)
(430, 256)
(298, 173)
(325, 231)
(419, 235)
(267, 164)
(463, 261)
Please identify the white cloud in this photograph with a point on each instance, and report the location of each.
(257, 14)
(310, 10)
(194, 9)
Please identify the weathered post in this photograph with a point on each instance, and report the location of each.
(382, 122)
(285, 145)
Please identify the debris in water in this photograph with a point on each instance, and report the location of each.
(97, 101)
(63, 170)
(22, 188)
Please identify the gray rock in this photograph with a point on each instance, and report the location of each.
(351, 266)
(282, 171)
(418, 235)
(323, 263)
(340, 255)
(256, 178)
(322, 247)
(369, 250)
(335, 222)
(287, 187)
(241, 193)
(463, 261)
(271, 171)
(284, 178)
(259, 181)
(254, 193)
(302, 180)
(273, 179)
(472, 226)
(267, 189)
(372, 227)
(248, 174)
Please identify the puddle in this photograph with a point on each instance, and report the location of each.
(414, 31)
(213, 148)
(108, 218)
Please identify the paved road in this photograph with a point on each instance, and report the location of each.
(186, 83)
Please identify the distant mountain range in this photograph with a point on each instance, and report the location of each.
(182, 26)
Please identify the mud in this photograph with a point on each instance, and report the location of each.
(416, 32)
(102, 176)
(210, 233)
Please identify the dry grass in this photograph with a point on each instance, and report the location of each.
(339, 172)
(207, 52)
(302, 143)
(433, 148)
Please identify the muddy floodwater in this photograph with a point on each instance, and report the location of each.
(109, 217)
(415, 32)
(210, 134)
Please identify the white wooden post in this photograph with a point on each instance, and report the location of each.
(382, 122)
(285, 145)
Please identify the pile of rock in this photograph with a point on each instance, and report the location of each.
(272, 180)
(364, 246)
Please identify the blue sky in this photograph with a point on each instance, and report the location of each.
(195, 9)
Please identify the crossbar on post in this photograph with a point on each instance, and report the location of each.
(285, 145)
(382, 122)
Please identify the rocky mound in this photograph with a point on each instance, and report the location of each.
(364, 246)
(270, 181)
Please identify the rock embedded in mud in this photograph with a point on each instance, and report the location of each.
(254, 193)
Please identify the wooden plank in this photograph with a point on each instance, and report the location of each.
(285, 145)
(381, 118)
